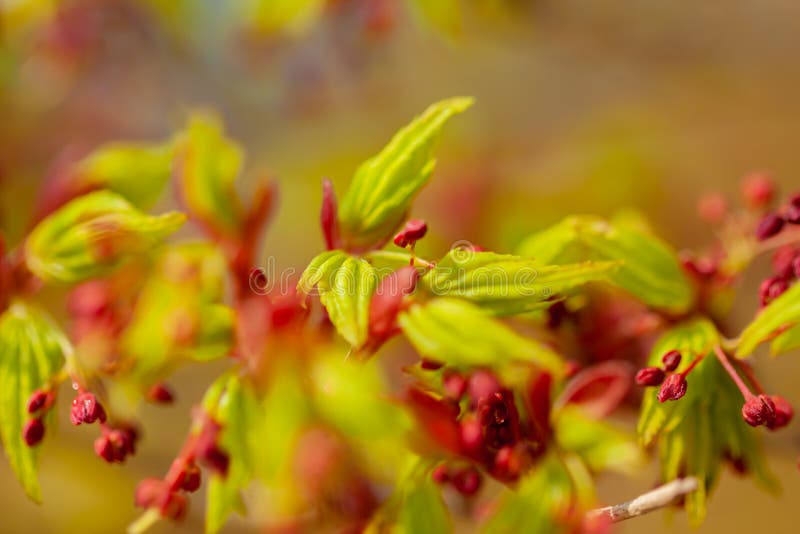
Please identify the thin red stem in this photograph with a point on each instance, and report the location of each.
(723, 359)
(750, 375)
(693, 365)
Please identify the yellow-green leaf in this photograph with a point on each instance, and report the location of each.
(384, 186)
(782, 312)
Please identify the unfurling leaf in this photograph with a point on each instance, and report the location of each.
(781, 313)
(704, 428)
(345, 286)
(649, 271)
(458, 333)
(92, 235)
(505, 284)
(137, 172)
(32, 350)
(206, 166)
(384, 186)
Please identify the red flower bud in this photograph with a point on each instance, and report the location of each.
(86, 409)
(467, 481)
(104, 448)
(769, 226)
(40, 400)
(783, 413)
(440, 474)
(758, 189)
(671, 360)
(33, 432)
(673, 388)
(792, 214)
(481, 384)
(414, 230)
(759, 411)
(782, 261)
(430, 365)
(454, 384)
(772, 288)
(191, 478)
(161, 394)
(649, 376)
(712, 208)
(174, 507)
(149, 492)
(794, 200)
(216, 459)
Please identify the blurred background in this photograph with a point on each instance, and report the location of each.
(581, 107)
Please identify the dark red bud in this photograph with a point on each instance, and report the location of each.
(454, 384)
(218, 460)
(329, 217)
(149, 492)
(40, 400)
(161, 394)
(471, 436)
(440, 475)
(783, 413)
(33, 432)
(758, 189)
(413, 231)
(104, 448)
(649, 376)
(467, 481)
(782, 261)
(174, 507)
(671, 360)
(86, 409)
(191, 478)
(794, 200)
(759, 411)
(769, 226)
(430, 365)
(792, 214)
(673, 388)
(772, 288)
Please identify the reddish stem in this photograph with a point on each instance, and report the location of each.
(750, 375)
(723, 359)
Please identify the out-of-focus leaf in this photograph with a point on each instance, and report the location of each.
(384, 186)
(782, 312)
(32, 350)
(238, 411)
(92, 235)
(443, 15)
(179, 313)
(459, 333)
(698, 432)
(601, 446)
(546, 499)
(137, 172)
(206, 166)
(505, 284)
(416, 505)
(271, 16)
(650, 270)
(786, 341)
(345, 285)
(598, 389)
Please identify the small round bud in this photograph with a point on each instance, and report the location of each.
(161, 394)
(440, 475)
(783, 413)
(649, 376)
(430, 365)
(712, 208)
(149, 492)
(33, 432)
(413, 231)
(782, 261)
(772, 288)
(792, 214)
(174, 507)
(794, 200)
(454, 384)
(104, 448)
(467, 481)
(191, 478)
(671, 360)
(673, 388)
(769, 226)
(758, 190)
(86, 409)
(39, 400)
(759, 411)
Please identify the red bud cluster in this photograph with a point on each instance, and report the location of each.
(86, 409)
(465, 480)
(208, 450)
(116, 444)
(39, 403)
(673, 384)
(786, 268)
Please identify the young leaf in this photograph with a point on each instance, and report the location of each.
(238, 410)
(704, 428)
(207, 165)
(345, 286)
(505, 284)
(137, 172)
(32, 350)
(384, 186)
(458, 333)
(781, 313)
(92, 235)
(650, 270)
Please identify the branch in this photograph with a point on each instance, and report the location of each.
(648, 502)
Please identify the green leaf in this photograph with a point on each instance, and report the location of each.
(781, 313)
(92, 235)
(456, 332)
(32, 351)
(207, 165)
(789, 340)
(507, 285)
(137, 172)
(650, 270)
(697, 433)
(385, 185)
(346, 285)
(600, 446)
(238, 410)
(545, 500)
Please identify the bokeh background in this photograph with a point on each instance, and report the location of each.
(581, 107)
